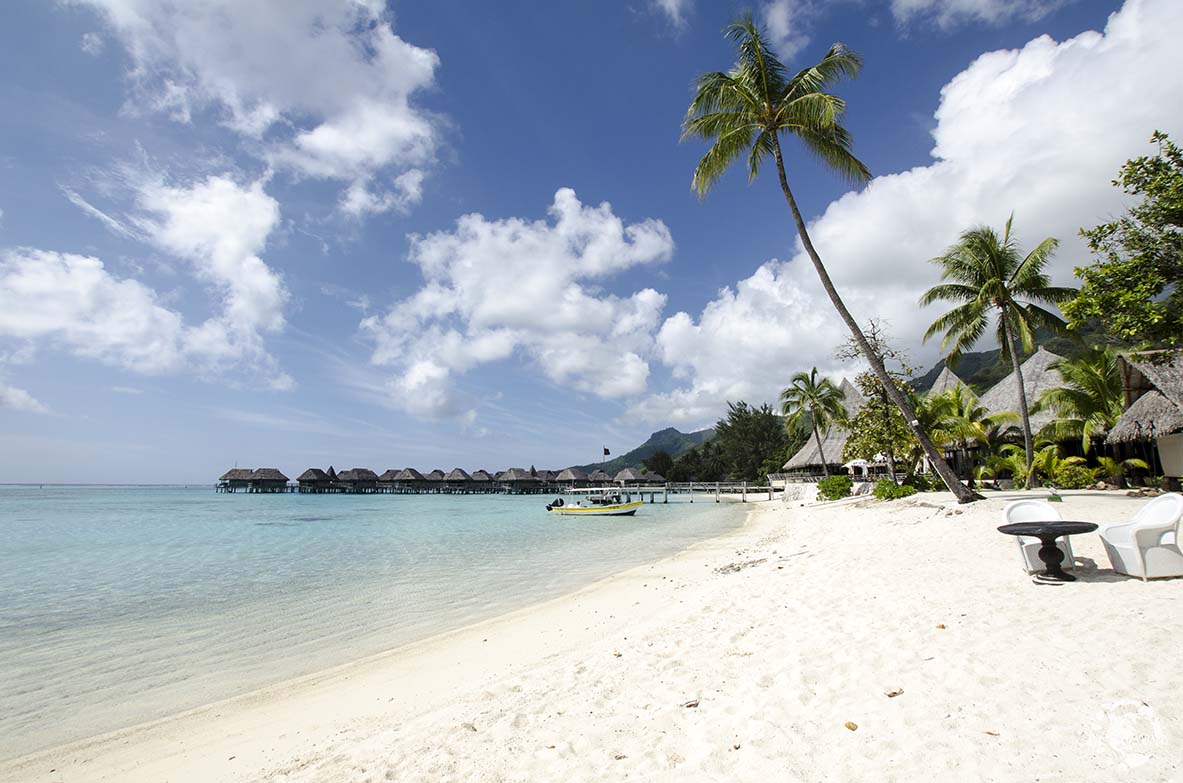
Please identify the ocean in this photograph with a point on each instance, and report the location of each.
(120, 605)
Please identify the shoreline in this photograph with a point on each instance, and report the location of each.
(86, 751)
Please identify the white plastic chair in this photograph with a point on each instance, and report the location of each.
(1037, 511)
(1148, 546)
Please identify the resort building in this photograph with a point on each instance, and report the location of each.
(234, 480)
(358, 480)
(946, 381)
(1038, 377)
(808, 460)
(599, 478)
(572, 477)
(1152, 383)
(315, 480)
(267, 480)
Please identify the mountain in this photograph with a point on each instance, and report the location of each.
(668, 440)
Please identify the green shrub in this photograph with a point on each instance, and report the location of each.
(1073, 477)
(922, 482)
(834, 488)
(886, 489)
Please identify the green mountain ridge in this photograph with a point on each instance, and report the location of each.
(669, 440)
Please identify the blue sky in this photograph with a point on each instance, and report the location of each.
(327, 231)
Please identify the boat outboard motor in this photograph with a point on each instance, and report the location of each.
(556, 503)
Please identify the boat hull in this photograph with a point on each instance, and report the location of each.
(615, 510)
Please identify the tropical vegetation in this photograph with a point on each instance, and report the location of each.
(812, 404)
(988, 277)
(744, 112)
(1090, 401)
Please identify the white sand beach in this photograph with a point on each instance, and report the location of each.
(744, 658)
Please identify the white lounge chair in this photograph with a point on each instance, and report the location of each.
(1148, 546)
(1037, 511)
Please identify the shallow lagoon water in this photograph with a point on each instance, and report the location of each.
(125, 604)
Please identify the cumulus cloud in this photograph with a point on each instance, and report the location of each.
(16, 399)
(1041, 130)
(493, 288)
(324, 88)
(951, 13)
(787, 24)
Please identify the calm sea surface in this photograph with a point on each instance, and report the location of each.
(119, 605)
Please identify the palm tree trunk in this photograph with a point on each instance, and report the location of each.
(962, 492)
(1028, 444)
(821, 454)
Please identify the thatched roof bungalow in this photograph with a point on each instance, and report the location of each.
(653, 478)
(457, 477)
(409, 477)
(314, 480)
(1038, 377)
(482, 476)
(946, 381)
(1152, 383)
(358, 479)
(599, 478)
(573, 477)
(388, 478)
(808, 459)
(629, 477)
(516, 477)
(235, 478)
(268, 480)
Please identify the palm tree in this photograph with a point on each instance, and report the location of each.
(744, 112)
(809, 401)
(986, 275)
(1089, 403)
(971, 424)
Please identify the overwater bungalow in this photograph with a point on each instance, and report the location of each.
(482, 477)
(517, 480)
(358, 480)
(653, 478)
(234, 480)
(572, 477)
(458, 479)
(388, 480)
(629, 477)
(599, 478)
(1152, 383)
(315, 480)
(409, 479)
(267, 480)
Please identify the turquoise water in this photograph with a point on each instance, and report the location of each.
(119, 605)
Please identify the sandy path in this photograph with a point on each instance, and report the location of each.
(779, 635)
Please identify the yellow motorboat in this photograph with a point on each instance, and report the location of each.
(599, 504)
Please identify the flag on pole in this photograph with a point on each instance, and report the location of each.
(606, 452)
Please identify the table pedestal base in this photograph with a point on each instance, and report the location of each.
(1052, 556)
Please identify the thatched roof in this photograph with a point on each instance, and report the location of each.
(1038, 377)
(389, 475)
(833, 439)
(267, 474)
(482, 475)
(545, 475)
(357, 474)
(655, 478)
(435, 475)
(236, 474)
(599, 475)
(516, 474)
(332, 474)
(313, 474)
(572, 474)
(457, 475)
(1153, 386)
(945, 381)
(629, 474)
(1151, 415)
(409, 474)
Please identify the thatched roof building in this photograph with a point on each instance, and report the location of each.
(268, 474)
(313, 475)
(1038, 377)
(482, 475)
(653, 478)
(435, 475)
(410, 477)
(389, 476)
(629, 476)
(572, 474)
(945, 381)
(458, 476)
(1152, 382)
(237, 476)
(516, 476)
(808, 459)
(599, 477)
(357, 478)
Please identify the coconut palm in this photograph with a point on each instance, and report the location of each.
(1089, 403)
(969, 424)
(744, 111)
(986, 275)
(812, 402)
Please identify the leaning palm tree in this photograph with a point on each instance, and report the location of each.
(988, 277)
(744, 111)
(810, 402)
(1089, 403)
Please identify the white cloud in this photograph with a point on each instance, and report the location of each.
(951, 13)
(16, 399)
(73, 303)
(92, 44)
(1041, 131)
(360, 200)
(674, 10)
(90, 209)
(787, 25)
(324, 87)
(495, 287)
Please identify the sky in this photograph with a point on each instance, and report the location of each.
(294, 233)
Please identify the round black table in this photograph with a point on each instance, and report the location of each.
(1047, 533)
